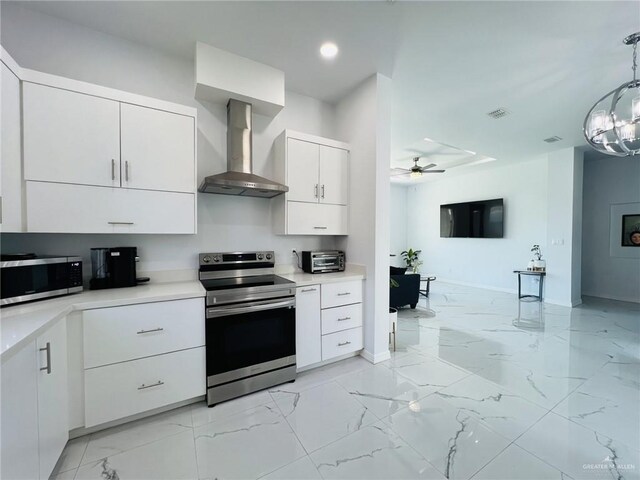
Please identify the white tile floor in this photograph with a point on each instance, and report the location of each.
(481, 387)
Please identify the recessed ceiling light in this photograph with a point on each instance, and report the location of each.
(329, 50)
(427, 139)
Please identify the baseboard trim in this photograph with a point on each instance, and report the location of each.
(380, 357)
(612, 297)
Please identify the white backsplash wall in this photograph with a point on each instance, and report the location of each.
(52, 45)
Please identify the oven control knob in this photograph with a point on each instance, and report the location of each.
(216, 258)
(206, 259)
(269, 256)
(260, 256)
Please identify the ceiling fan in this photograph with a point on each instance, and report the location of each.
(415, 171)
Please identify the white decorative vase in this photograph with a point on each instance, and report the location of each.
(539, 265)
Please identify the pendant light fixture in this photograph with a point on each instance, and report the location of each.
(612, 126)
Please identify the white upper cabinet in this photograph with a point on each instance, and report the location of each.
(98, 160)
(316, 170)
(70, 137)
(302, 172)
(334, 175)
(157, 149)
(11, 153)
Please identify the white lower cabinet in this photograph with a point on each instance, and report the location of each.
(141, 357)
(34, 406)
(67, 208)
(308, 330)
(328, 321)
(123, 389)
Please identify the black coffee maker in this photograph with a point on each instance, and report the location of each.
(113, 267)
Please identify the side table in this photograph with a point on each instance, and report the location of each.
(540, 275)
(428, 279)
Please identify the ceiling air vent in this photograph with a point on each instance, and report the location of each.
(553, 139)
(498, 113)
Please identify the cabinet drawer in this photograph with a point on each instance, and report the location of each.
(343, 293)
(117, 391)
(340, 343)
(341, 318)
(119, 334)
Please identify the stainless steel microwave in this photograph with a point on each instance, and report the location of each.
(27, 279)
(323, 262)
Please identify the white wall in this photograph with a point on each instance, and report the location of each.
(398, 223)
(52, 45)
(608, 181)
(363, 119)
(484, 262)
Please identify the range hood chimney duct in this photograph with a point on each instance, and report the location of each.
(239, 178)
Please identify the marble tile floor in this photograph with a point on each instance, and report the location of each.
(482, 386)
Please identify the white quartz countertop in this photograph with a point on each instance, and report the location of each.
(303, 279)
(21, 324)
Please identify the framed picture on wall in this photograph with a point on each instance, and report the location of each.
(630, 231)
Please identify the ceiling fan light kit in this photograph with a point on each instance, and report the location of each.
(612, 126)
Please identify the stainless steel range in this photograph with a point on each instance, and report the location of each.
(250, 324)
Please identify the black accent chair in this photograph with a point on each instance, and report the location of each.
(407, 291)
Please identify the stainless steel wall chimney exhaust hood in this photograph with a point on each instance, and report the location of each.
(239, 178)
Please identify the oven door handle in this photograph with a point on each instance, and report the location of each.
(214, 312)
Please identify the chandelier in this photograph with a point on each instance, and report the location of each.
(612, 126)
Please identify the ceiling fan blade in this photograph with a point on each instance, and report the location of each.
(426, 167)
(434, 171)
(399, 171)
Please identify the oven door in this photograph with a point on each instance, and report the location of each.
(250, 338)
(326, 263)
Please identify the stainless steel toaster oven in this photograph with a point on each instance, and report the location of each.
(323, 262)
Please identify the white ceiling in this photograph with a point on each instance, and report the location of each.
(451, 62)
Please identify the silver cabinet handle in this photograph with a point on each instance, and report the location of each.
(307, 290)
(113, 169)
(48, 350)
(320, 228)
(120, 223)
(143, 386)
(344, 293)
(159, 329)
(315, 191)
(126, 170)
(343, 319)
(322, 191)
(343, 344)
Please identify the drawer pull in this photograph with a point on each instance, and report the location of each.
(120, 223)
(343, 319)
(143, 386)
(344, 293)
(159, 329)
(320, 228)
(304, 290)
(343, 344)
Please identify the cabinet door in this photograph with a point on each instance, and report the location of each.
(316, 219)
(11, 156)
(19, 406)
(157, 149)
(302, 170)
(334, 175)
(53, 401)
(64, 208)
(308, 326)
(70, 137)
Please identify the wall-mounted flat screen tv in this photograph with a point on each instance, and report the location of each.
(482, 219)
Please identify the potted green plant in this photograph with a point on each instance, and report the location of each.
(411, 259)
